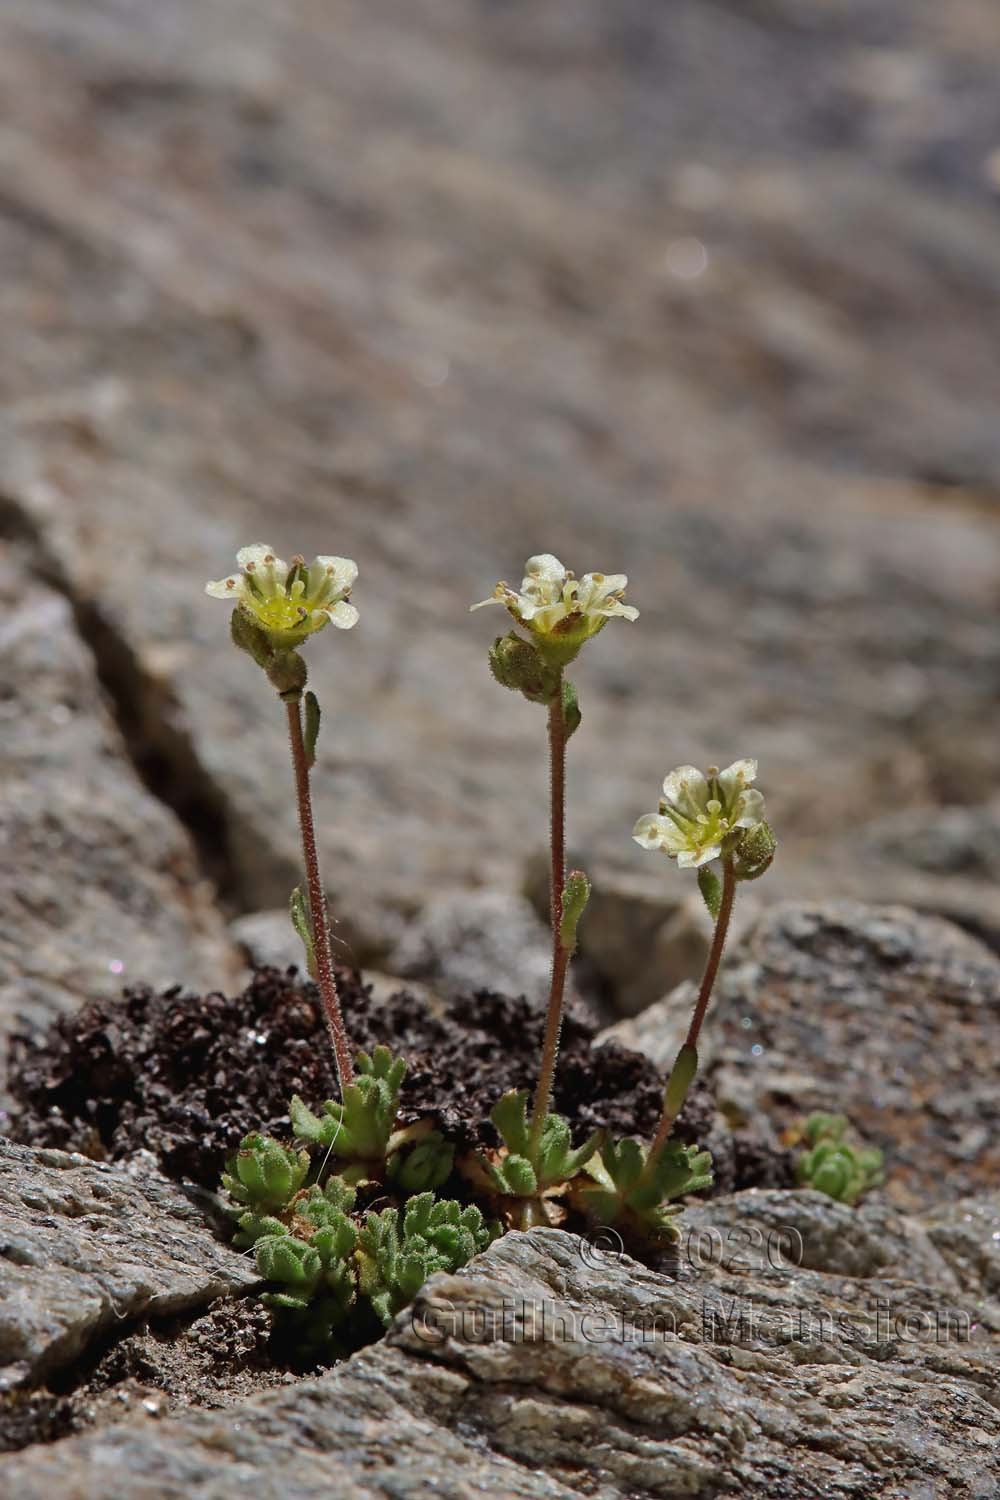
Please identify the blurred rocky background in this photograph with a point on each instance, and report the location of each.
(705, 291)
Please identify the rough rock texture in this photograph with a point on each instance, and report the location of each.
(85, 1247)
(98, 883)
(443, 287)
(884, 1014)
(464, 941)
(555, 1368)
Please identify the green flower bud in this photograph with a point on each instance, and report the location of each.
(517, 665)
(755, 852)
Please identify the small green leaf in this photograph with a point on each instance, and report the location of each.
(312, 728)
(510, 1116)
(711, 890)
(299, 913)
(574, 900)
(681, 1075)
(571, 708)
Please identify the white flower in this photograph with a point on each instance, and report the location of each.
(560, 610)
(290, 603)
(697, 813)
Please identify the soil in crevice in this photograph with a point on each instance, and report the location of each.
(187, 1076)
(213, 1358)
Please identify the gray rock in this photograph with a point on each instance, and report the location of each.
(880, 1013)
(537, 331)
(469, 940)
(967, 1235)
(553, 1368)
(85, 1247)
(267, 938)
(99, 885)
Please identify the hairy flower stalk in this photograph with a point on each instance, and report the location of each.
(557, 884)
(701, 819)
(320, 920)
(559, 612)
(278, 607)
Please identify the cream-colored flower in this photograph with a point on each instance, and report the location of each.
(697, 813)
(290, 603)
(560, 610)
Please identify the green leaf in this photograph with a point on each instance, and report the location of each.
(681, 1076)
(711, 890)
(571, 708)
(423, 1168)
(637, 1198)
(510, 1116)
(312, 728)
(832, 1165)
(318, 1131)
(299, 914)
(575, 896)
(264, 1175)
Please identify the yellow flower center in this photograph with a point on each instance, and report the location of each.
(279, 613)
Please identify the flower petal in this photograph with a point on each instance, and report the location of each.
(648, 831)
(342, 614)
(743, 771)
(617, 608)
(687, 789)
(751, 809)
(544, 566)
(225, 588)
(259, 555)
(344, 570)
(691, 859)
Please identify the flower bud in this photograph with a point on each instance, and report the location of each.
(516, 664)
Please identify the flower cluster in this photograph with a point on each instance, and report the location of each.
(289, 603)
(560, 610)
(698, 814)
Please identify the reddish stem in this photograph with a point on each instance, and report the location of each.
(317, 901)
(709, 977)
(560, 955)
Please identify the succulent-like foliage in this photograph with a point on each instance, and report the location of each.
(520, 1172)
(358, 1129)
(316, 1277)
(397, 1253)
(423, 1167)
(263, 1175)
(629, 1194)
(832, 1165)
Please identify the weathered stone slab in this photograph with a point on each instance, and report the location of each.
(85, 1246)
(554, 1368)
(506, 353)
(99, 883)
(883, 1014)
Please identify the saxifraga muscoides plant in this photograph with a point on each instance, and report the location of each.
(278, 607)
(558, 613)
(297, 1212)
(833, 1165)
(701, 819)
(325, 1259)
